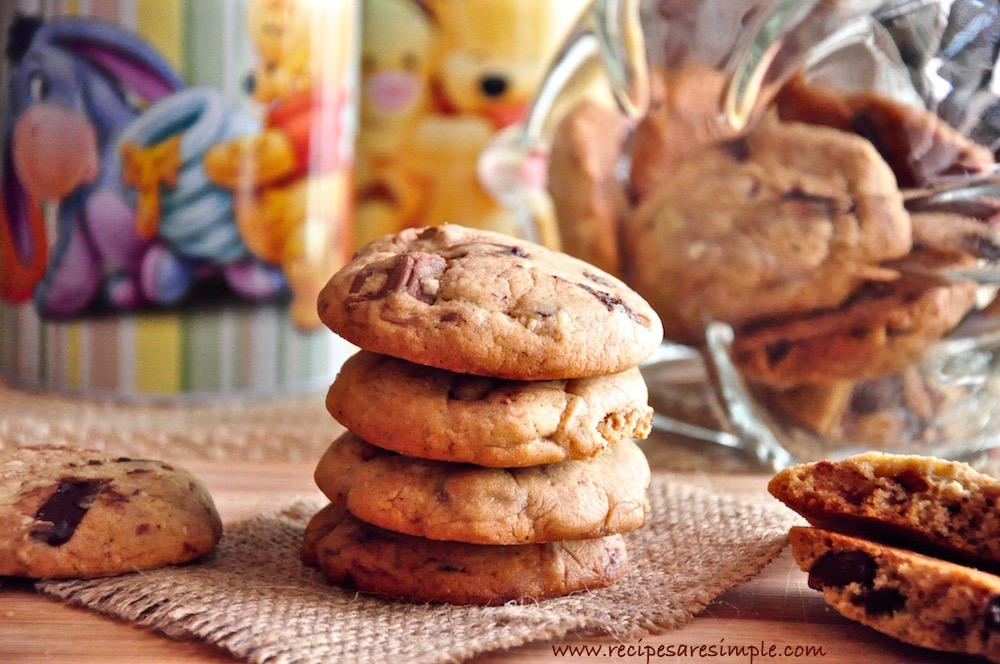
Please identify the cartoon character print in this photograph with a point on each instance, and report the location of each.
(441, 78)
(396, 66)
(99, 124)
(292, 192)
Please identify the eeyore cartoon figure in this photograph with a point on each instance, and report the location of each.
(99, 123)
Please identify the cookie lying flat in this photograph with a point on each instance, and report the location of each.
(883, 328)
(943, 507)
(438, 414)
(361, 556)
(914, 598)
(78, 513)
(483, 303)
(464, 503)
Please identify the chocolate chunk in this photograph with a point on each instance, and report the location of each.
(738, 149)
(406, 273)
(912, 481)
(409, 273)
(64, 511)
(840, 568)
(612, 302)
(778, 351)
(878, 602)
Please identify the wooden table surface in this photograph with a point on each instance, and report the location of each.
(775, 609)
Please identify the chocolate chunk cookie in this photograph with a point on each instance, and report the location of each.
(483, 303)
(438, 414)
(760, 227)
(78, 513)
(919, 146)
(909, 596)
(880, 330)
(360, 556)
(938, 506)
(464, 503)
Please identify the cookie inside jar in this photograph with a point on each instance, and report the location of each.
(818, 233)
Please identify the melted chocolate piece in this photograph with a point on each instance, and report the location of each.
(611, 302)
(840, 568)
(882, 601)
(404, 274)
(65, 510)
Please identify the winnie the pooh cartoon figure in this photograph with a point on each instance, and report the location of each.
(291, 182)
(485, 58)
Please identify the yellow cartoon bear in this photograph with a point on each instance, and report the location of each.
(396, 49)
(451, 74)
(491, 57)
(291, 186)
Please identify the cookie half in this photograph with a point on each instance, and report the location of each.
(484, 303)
(357, 555)
(941, 507)
(911, 597)
(79, 513)
(465, 503)
(438, 414)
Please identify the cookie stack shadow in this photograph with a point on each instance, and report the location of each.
(480, 466)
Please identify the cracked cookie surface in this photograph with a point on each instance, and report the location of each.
(484, 303)
(363, 557)
(438, 414)
(465, 503)
(909, 596)
(80, 513)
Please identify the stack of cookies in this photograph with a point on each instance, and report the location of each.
(490, 414)
(909, 545)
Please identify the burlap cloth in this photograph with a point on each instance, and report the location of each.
(254, 597)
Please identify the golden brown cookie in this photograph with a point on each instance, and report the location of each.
(361, 556)
(438, 414)
(940, 507)
(483, 303)
(880, 330)
(909, 596)
(464, 503)
(79, 513)
(920, 147)
(756, 228)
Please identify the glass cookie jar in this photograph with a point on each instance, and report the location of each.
(806, 192)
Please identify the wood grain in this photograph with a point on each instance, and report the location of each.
(776, 608)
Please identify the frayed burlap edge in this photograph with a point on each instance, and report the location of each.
(254, 598)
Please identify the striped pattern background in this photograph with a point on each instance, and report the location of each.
(208, 354)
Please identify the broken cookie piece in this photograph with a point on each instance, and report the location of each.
(936, 506)
(906, 595)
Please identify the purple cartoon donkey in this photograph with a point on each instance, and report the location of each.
(77, 87)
